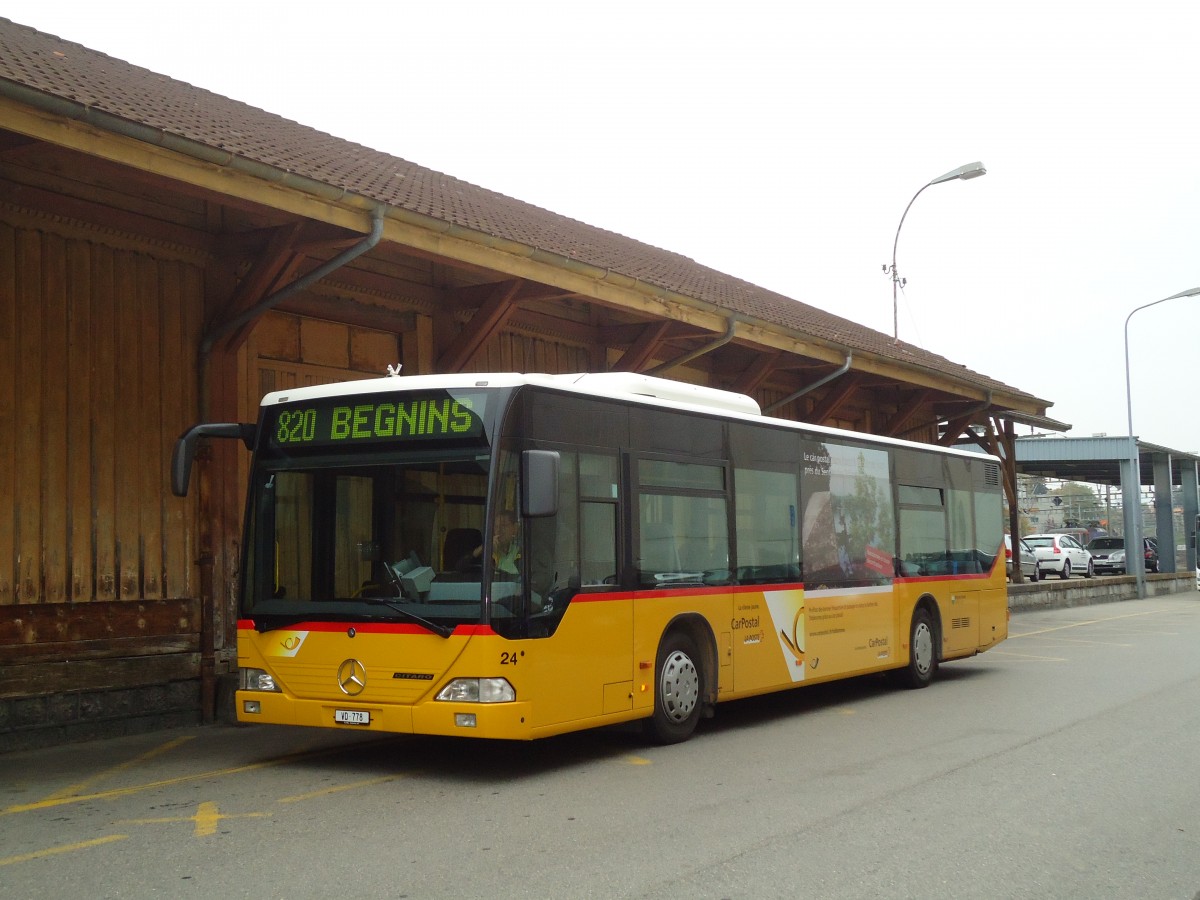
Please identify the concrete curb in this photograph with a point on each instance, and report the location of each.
(1051, 593)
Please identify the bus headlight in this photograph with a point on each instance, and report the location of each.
(478, 690)
(258, 680)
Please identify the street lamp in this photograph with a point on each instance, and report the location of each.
(1133, 543)
(962, 173)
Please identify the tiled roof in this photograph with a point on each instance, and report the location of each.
(62, 69)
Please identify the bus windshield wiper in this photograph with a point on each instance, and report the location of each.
(443, 630)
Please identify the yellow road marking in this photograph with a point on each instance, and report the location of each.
(324, 792)
(1067, 640)
(73, 789)
(1142, 633)
(1153, 612)
(638, 761)
(167, 782)
(1029, 656)
(207, 818)
(65, 848)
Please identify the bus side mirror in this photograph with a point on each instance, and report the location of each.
(185, 449)
(539, 483)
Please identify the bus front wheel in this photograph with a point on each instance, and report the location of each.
(678, 680)
(922, 652)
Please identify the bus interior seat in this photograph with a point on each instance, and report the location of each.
(781, 573)
(459, 543)
(659, 551)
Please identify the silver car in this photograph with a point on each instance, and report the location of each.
(1060, 554)
(1029, 563)
(1108, 554)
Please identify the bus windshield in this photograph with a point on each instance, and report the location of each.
(354, 517)
(332, 542)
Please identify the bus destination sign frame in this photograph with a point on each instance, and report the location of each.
(345, 421)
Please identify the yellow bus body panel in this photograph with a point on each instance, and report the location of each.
(599, 665)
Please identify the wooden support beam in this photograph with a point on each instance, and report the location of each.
(835, 398)
(764, 364)
(899, 422)
(1009, 440)
(491, 317)
(992, 437)
(955, 428)
(274, 267)
(641, 351)
(474, 296)
(278, 254)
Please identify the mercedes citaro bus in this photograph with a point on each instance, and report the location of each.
(516, 556)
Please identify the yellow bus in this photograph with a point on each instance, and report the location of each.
(517, 556)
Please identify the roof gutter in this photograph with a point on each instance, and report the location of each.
(730, 329)
(778, 404)
(977, 408)
(298, 285)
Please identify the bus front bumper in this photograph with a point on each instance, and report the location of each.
(506, 721)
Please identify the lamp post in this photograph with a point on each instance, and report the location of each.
(1133, 542)
(962, 173)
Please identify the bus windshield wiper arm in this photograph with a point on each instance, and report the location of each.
(443, 630)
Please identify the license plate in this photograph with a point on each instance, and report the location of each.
(352, 717)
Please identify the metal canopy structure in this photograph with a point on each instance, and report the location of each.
(1107, 460)
(1095, 459)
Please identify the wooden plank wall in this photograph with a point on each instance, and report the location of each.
(515, 352)
(54, 649)
(97, 379)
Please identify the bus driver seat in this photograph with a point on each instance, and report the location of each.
(460, 542)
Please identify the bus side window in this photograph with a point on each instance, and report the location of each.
(598, 492)
(768, 548)
(576, 549)
(682, 524)
(599, 543)
(553, 554)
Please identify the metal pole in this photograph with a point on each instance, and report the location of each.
(1133, 543)
(962, 173)
(895, 274)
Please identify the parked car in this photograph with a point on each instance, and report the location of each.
(1108, 554)
(1060, 554)
(1029, 563)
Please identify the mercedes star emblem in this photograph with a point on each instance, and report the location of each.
(352, 677)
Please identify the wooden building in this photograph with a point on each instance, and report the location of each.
(168, 255)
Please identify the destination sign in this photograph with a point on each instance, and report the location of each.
(358, 419)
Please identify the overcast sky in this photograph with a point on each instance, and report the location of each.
(780, 143)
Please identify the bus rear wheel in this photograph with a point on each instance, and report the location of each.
(678, 681)
(922, 652)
